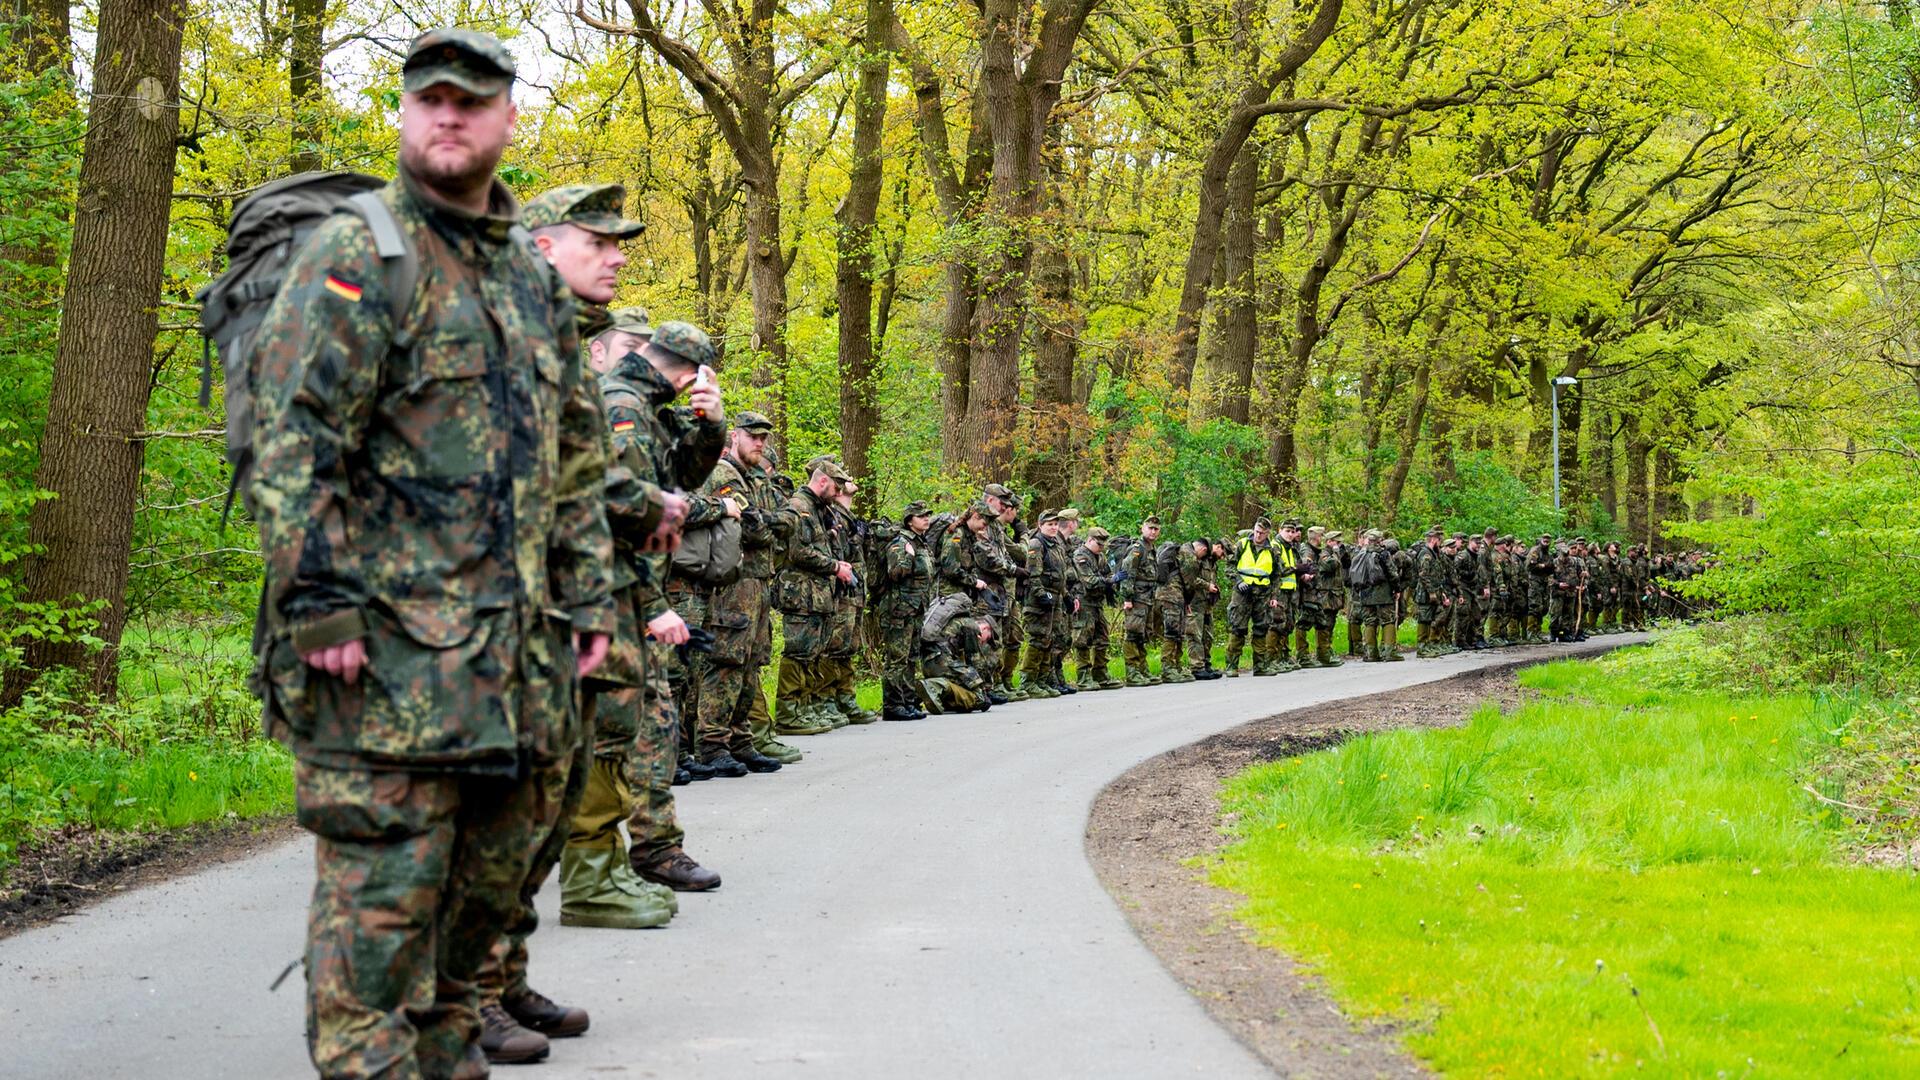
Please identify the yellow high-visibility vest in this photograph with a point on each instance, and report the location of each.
(1255, 568)
(1288, 562)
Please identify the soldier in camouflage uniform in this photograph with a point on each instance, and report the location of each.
(906, 587)
(723, 729)
(1206, 606)
(1004, 560)
(1636, 592)
(1402, 562)
(1325, 583)
(770, 492)
(849, 603)
(1372, 585)
(1047, 608)
(954, 635)
(1569, 588)
(1471, 591)
(1539, 567)
(804, 596)
(430, 785)
(1288, 588)
(656, 443)
(1175, 575)
(1432, 597)
(1139, 580)
(1092, 634)
(578, 229)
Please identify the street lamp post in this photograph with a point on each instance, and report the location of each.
(1553, 391)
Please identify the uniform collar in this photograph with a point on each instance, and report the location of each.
(652, 385)
(485, 232)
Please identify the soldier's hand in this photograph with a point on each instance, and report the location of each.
(669, 628)
(979, 585)
(1076, 605)
(843, 571)
(704, 396)
(343, 660)
(732, 508)
(589, 651)
(1126, 605)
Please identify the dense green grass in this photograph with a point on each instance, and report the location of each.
(1612, 877)
(181, 746)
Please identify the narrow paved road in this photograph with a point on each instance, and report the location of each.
(911, 901)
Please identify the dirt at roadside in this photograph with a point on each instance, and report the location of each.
(1149, 822)
(71, 869)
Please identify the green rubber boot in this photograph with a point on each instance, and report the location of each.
(594, 892)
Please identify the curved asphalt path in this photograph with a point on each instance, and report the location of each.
(913, 900)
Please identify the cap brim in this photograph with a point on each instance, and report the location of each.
(428, 76)
(618, 228)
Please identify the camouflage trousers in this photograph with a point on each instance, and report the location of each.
(1200, 631)
(725, 705)
(899, 631)
(415, 875)
(1048, 636)
(805, 636)
(1011, 631)
(1092, 638)
(1170, 620)
(650, 757)
(506, 968)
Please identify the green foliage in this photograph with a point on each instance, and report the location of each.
(1833, 543)
(1615, 876)
(1483, 492)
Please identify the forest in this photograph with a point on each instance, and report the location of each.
(1363, 261)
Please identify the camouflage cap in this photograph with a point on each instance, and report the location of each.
(1393, 543)
(1150, 519)
(1374, 534)
(1049, 515)
(473, 61)
(748, 420)
(686, 341)
(1491, 531)
(1069, 514)
(630, 320)
(1508, 540)
(1290, 523)
(1001, 492)
(597, 208)
(1335, 534)
(1263, 523)
(1316, 530)
(1098, 533)
(979, 506)
(826, 464)
(914, 509)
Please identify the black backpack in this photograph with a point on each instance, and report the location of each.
(268, 228)
(1366, 570)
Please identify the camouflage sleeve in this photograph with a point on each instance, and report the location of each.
(633, 505)
(580, 551)
(949, 565)
(811, 548)
(899, 558)
(695, 455)
(320, 351)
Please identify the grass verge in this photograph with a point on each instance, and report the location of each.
(1615, 876)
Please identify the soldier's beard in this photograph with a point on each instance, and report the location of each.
(452, 176)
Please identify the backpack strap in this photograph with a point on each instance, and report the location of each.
(397, 254)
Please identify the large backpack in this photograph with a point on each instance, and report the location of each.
(268, 228)
(710, 555)
(1166, 561)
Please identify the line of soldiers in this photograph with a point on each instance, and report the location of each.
(978, 608)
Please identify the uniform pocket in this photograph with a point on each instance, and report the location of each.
(436, 683)
(440, 422)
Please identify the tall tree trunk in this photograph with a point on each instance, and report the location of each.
(91, 451)
(1237, 325)
(306, 53)
(1666, 501)
(853, 284)
(43, 36)
(1573, 497)
(767, 281)
(1602, 481)
(1057, 326)
(1638, 447)
(1253, 104)
(1409, 438)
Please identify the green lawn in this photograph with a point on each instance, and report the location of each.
(1612, 878)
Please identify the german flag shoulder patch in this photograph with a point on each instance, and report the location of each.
(344, 289)
(623, 425)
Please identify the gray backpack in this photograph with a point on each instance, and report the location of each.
(268, 228)
(710, 555)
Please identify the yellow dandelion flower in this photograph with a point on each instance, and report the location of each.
(1283, 824)
(1356, 884)
(191, 775)
(1383, 776)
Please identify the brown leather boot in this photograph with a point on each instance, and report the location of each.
(537, 1012)
(677, 871)
(505, 1041)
